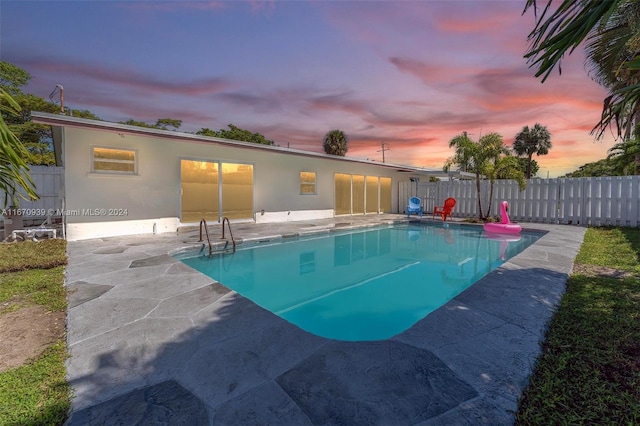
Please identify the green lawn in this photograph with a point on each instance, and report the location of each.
(33, 274)
(589, 370)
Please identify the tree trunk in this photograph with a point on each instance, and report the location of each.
(636, 121)
(529, 166)
(490, 200)
(479, 200)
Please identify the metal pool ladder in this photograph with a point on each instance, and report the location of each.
(203, 224)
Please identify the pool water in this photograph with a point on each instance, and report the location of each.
(366, 284)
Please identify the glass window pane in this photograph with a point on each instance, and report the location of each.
(342, 184)
(113, 160)
(308, 177)
(358, 194)
(307, 189)
(372, 194)
(199, 180)
(107, 166)
(385, 195)
(113, 154)
(237, 191)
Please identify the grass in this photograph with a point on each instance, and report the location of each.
(35, 393)
(37, 286)
(30, 255)
(589, 369)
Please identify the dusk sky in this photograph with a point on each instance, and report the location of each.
(411, 74)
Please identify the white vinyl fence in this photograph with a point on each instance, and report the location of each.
(598, 201)
(50, 187)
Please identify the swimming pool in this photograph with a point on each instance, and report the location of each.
(365, 284)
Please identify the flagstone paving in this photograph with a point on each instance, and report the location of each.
(155, 342)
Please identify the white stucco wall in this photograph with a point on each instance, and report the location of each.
(152, 197)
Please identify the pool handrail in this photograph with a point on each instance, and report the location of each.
(206, 230)
(226, 219)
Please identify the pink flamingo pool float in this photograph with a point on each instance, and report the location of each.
(505, 226)
(505, 231)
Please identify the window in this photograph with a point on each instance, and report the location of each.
(307, 183)
(114, 160)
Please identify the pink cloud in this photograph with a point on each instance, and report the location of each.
(475, 23)
(338, 102)
(515, 89)
(172, 6)
(131, 79)
(430, 74)
(137, 109)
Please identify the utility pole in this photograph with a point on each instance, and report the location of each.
(61, 98)
(58, 90)
(383, 150)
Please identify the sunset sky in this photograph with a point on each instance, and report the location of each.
(411, 74)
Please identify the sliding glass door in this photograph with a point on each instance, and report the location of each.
(358, 194)
(211, 190)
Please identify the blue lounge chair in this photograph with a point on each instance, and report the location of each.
(415, 206)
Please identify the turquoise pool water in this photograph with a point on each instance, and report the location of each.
(362, 285)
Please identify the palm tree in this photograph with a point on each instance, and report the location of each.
(610, 28)
(470, 157)
(13, 166)
(523, 162)
(536, 140)
(487, 158)
(626, 155)
(499, 164)
(616, 41)
(336, 143)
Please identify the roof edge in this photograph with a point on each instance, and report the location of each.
(58, 120)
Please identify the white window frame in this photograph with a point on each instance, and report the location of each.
(315, 183)
(114, 172)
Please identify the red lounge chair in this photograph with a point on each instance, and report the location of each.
(446, 210)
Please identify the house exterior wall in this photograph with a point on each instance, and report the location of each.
(99, 204)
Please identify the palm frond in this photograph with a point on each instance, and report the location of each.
(563, 30)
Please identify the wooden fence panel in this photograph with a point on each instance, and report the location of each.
(49, 185)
